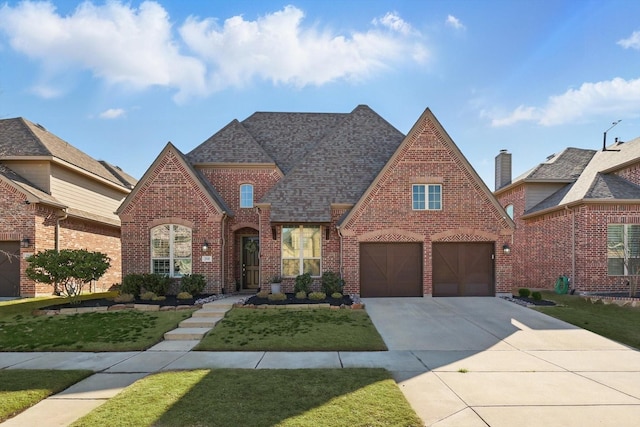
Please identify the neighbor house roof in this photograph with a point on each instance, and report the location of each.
(594, 179)
(32, 193)
(20, 138)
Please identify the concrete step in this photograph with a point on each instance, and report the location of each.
(200, 322)
(186, 334)
(221, 304)
(205, 312)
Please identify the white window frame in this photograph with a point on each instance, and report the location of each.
(244, 197)
(624, 250)
(509, 210)
(175, 262)
(428, 204)
(300, 258)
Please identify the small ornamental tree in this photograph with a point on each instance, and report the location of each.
(67, 270)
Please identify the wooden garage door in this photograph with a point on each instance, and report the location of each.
(391, 269)
(463, 269)
(9, 269)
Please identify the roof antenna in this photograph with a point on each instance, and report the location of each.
(604, 140)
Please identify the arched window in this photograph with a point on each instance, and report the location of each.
(509, 209)
(246, 196)
(171, 250)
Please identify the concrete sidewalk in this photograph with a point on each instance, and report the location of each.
(459, 362)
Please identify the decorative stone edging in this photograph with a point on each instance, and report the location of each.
(299, 306)
(114, 307)
(620, 301)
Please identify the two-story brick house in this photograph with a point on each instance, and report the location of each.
(54, 196)
(577, 214)
(287, 193)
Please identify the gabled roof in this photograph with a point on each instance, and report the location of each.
(20, 138)
(201, 181)
(597, 179)
(32, 193)
(232, 144)
(338, 168)
(564, 166)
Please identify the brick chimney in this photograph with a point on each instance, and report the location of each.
(503, 169)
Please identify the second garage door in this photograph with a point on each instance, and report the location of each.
(463, 269)
(391, 269)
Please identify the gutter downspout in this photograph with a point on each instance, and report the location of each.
(222, 257)
(58, 219)
(573, 245)
(259, 249)
(341, 266)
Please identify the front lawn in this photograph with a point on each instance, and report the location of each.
(114, 331)
(245, 329)
(237, 397)
(21, 389)
(611, 321)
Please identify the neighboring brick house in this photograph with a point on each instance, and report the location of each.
(53, 196)
(287, 193)
(577, 214)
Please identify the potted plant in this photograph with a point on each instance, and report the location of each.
(275, 284)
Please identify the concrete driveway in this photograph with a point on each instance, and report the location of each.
(491, 362)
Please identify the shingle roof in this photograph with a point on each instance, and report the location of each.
(564, 166)
(612, 187)
(338, 169)
(21, 138)
(30, 189)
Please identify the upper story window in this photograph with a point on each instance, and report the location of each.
(509, 209)
(301, 246)
(427, 197)
(246, 196)
(623, 249)
(171, 250)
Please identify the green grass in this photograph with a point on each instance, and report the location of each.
(236, 397)
(611, 321)
(115, 331)
(21, 389)
(293, 330)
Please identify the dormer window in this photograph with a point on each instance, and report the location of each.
(246, 196)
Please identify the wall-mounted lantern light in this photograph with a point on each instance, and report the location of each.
(506, 249)
(205, 246)
(25, 243)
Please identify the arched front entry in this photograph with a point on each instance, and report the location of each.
(248, 259)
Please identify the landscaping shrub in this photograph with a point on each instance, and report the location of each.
(524, 292)
(184, 295)
(193, 283)
(317, 296)
(277, 297)
(336, 295)
(262, 294)
(331, 282)
(536, 295)
(303, 283)
(158, 298)
(156, 283)
(132, 284)
(147, 296)
(123, 298)
(301, 295)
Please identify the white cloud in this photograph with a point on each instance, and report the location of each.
(112, 113)
(632, 42)
(617, 96)
(454, 22)
(141, 47)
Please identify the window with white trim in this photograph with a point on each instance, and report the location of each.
(426, 197)
(301, 250)
(509, 210)
(623, 249)
(171, 250)
(246, 196)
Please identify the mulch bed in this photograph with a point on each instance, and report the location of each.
(170, 301)
(291, 299)
(530, 301)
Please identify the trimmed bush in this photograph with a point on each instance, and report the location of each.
(277, 297)
(303, 283)
(147, 296)
(336, 295)
(159, 298)
(156, 283)
(536, 295)
(193, 283)
(123, 298)
(331, 283)
(132, 284)
(184, 295)
(524, 292)
(301, 295)
(317, 296)
(262, 294)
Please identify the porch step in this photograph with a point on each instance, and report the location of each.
(220, 304)
(200, 322)
(209, 312)
(186, 334)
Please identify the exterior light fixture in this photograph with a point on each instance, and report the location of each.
(506, 249)
(25, 243)
(205, 246)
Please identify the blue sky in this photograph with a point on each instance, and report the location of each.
(120, 79)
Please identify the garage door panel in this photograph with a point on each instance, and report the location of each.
(463, 269)
(390, 269)
(9, 269)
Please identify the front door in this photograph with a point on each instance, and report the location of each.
(250, 262)
(9, 269)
